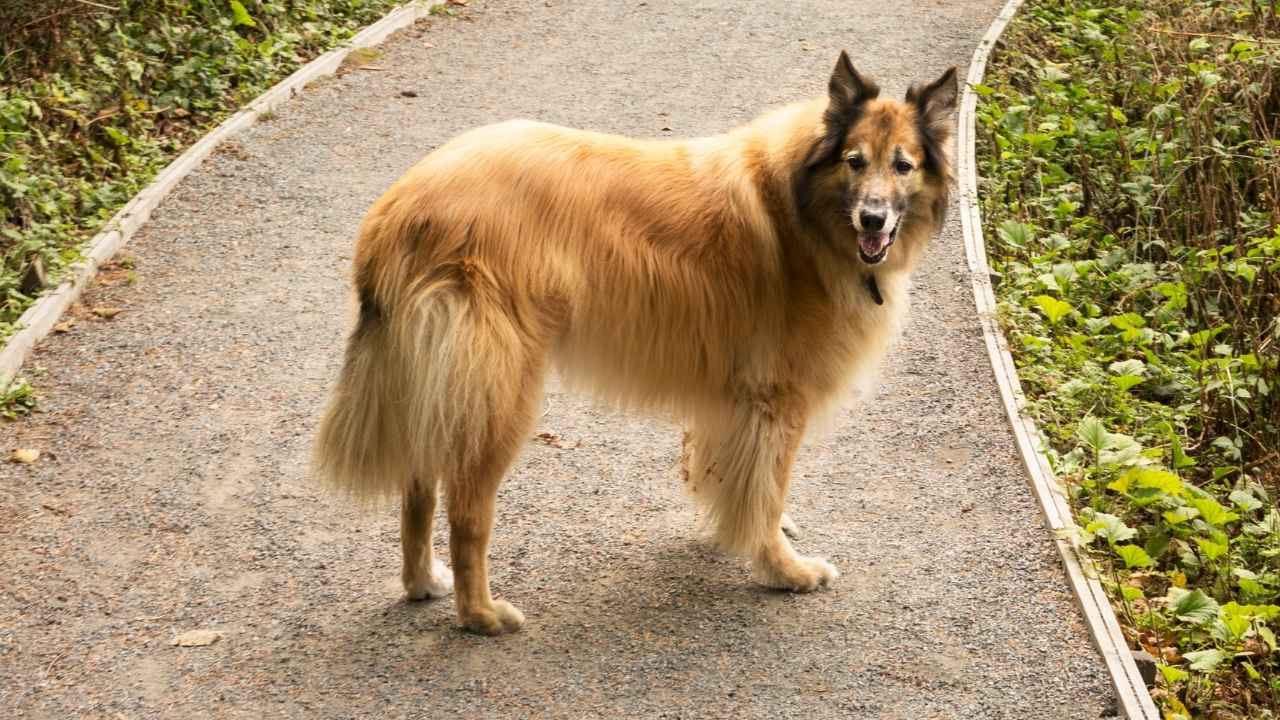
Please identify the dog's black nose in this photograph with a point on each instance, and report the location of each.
(871, 222)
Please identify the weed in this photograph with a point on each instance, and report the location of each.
(1130, 155)
(98, 97)
(17, 398)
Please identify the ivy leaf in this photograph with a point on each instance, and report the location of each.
(1205, 660)
(1212, 550)
(1128, 321)
(1110, 528)
(1121, 450)
(1133, 556)
(116, 136)
(1093, 434)
(1180, 458)
(1234, 621)
(1130, 592)
(1267, 636)
(1194, 607)
(1125, 382)
(1245, 500)
(1128, 367)
(135, 69)
(1270, 525)
(1053, 308)
(1180, 515)
(1162, 480)
(1014, 233)
(242, 16)
(1212, 512)
(1173, 674)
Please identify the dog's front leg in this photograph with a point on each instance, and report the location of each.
(740, 466)
(776, 564)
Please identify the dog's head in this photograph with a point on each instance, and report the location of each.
(880, 170)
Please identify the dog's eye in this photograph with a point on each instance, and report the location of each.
(903, 167)
(857, 162)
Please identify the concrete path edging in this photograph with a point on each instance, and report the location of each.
(1134, 700)
(38, 320)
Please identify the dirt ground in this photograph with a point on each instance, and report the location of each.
(172, 494)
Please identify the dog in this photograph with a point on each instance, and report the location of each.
(738, 283)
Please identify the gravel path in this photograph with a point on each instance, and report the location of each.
(173, 492)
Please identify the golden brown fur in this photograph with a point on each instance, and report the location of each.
(716, 280)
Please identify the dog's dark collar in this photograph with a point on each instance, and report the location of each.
(873, 288)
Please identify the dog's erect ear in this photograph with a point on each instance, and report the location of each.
(934, 104)
(935, 101)
(847, 88)
(847, 92)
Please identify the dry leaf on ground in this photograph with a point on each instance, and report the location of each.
(197, 638)
(106, 313)
(555, 441)
(26, 456)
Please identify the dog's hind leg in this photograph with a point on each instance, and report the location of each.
(423, 574)
(470, 496)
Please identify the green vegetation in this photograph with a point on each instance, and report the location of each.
(1130, 156)
(96, 97)
(16, 399)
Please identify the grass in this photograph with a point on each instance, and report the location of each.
(1130, 163)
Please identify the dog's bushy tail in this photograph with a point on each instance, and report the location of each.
(418, 391)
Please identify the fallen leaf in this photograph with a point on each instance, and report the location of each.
(64, 326)
(26, 456)
(554, 441)
(106, 313)
(197, 638)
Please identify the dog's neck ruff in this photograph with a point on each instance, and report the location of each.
(874, 288)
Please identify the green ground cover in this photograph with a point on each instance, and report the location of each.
(97, 97)
(1129, 156)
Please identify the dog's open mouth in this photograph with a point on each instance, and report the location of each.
(873, 246)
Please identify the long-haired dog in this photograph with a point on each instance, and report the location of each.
(738, 283)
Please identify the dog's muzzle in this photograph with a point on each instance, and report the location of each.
(874, 245)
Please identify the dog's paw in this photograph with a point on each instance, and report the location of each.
(798, 574)
(501, 618)
(435, 584)
(789, 527)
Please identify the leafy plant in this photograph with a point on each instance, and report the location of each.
(95, 98)
(17, 398)
(1130, 156)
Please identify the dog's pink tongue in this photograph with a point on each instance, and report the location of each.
(873, 243)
